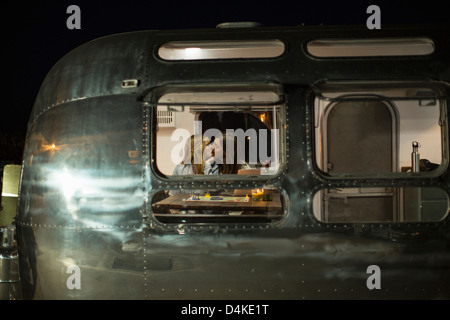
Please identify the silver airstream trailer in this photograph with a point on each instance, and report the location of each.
(240, 163)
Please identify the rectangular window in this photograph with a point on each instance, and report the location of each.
(378, 47)
(212, 50)
(380, 129)
(9, 190)
(393, 204)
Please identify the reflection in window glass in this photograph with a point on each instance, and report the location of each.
(261, 205)
(353, 205)
(373, 132)
(219, 133)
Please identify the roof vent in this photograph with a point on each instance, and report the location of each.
(249, 24)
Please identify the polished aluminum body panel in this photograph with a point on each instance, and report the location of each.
(85, 228)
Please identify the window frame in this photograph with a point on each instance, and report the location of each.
(325, 90)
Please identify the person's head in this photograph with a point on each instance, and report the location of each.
(193, 153)
(229, 163)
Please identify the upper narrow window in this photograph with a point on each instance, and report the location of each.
(207, 50)
(214, 130)
(381, 204)
(329, 48)
(212, 138)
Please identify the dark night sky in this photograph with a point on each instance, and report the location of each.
(37, 37)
